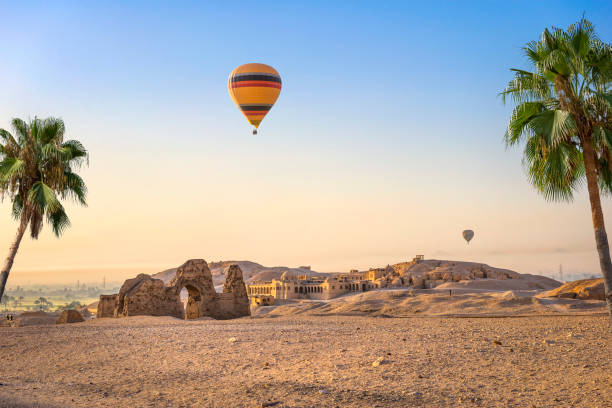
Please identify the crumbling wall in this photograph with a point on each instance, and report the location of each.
(106, 306)
(234, 284)
(144, 295)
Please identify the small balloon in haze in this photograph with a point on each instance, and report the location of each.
(468, 235)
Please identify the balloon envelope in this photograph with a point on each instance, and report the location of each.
(468, 235)
(254, 88)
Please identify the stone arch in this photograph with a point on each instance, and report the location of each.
(195, 276)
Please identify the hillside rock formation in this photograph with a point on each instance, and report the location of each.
(587, 289)
(251, 271)
(432, 272)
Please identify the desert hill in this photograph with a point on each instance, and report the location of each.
(432, 302)
(435, 273)
(580, 289)
(251, 271)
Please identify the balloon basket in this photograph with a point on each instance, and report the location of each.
(254, 131)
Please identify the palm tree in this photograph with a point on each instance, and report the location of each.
(36, 171)
(42, 302)
(564, 117)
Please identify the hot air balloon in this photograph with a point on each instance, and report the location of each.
(468, 235)
(254, 88)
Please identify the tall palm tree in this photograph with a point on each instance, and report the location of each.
(36, 171)
(564, 117)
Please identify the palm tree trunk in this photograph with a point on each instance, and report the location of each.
(601, 238)
(8, 263)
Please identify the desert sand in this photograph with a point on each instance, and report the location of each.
(311, 361)
(450, 300)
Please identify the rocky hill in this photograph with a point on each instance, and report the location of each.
(251, 271)
(581, 289)
(431, 273)
(428, 273)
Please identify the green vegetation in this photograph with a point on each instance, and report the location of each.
(36, 170)
(564, 117)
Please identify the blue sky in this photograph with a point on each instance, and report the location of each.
(386, 139)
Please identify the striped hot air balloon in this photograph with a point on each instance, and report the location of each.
(468, 235)
(254, 88)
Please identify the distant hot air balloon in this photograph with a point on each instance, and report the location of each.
(468, 235)
(254, 88)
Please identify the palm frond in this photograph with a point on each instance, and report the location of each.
(59, 221)
(42, 197)
(74, 151)
(75, 188)
(556, 125)
(11, 167)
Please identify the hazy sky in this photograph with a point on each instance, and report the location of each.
(386, 140)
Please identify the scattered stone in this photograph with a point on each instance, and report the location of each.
(323, 391)
(499, 343)
(232, 340)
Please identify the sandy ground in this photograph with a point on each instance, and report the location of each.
(436, 302)
(305, 361)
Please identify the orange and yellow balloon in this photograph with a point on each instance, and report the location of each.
(254, 88)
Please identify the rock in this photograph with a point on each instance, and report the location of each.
(35, 319)
(70, 316)
(497, 342)
(232, 340)
(378, 361)
(84, 311)
(586, 289)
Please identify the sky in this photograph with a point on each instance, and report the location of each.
(386, 140)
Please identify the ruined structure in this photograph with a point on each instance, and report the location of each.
(106, 306)
(309, 287)
(144, 295)
(70, 316)
(420, 273)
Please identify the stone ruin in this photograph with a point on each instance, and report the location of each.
(144, 295)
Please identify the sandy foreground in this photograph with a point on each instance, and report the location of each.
(308, 361)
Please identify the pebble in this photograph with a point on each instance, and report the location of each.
(378, 361)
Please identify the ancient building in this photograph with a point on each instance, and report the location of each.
(144, 295)
(319, 288)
